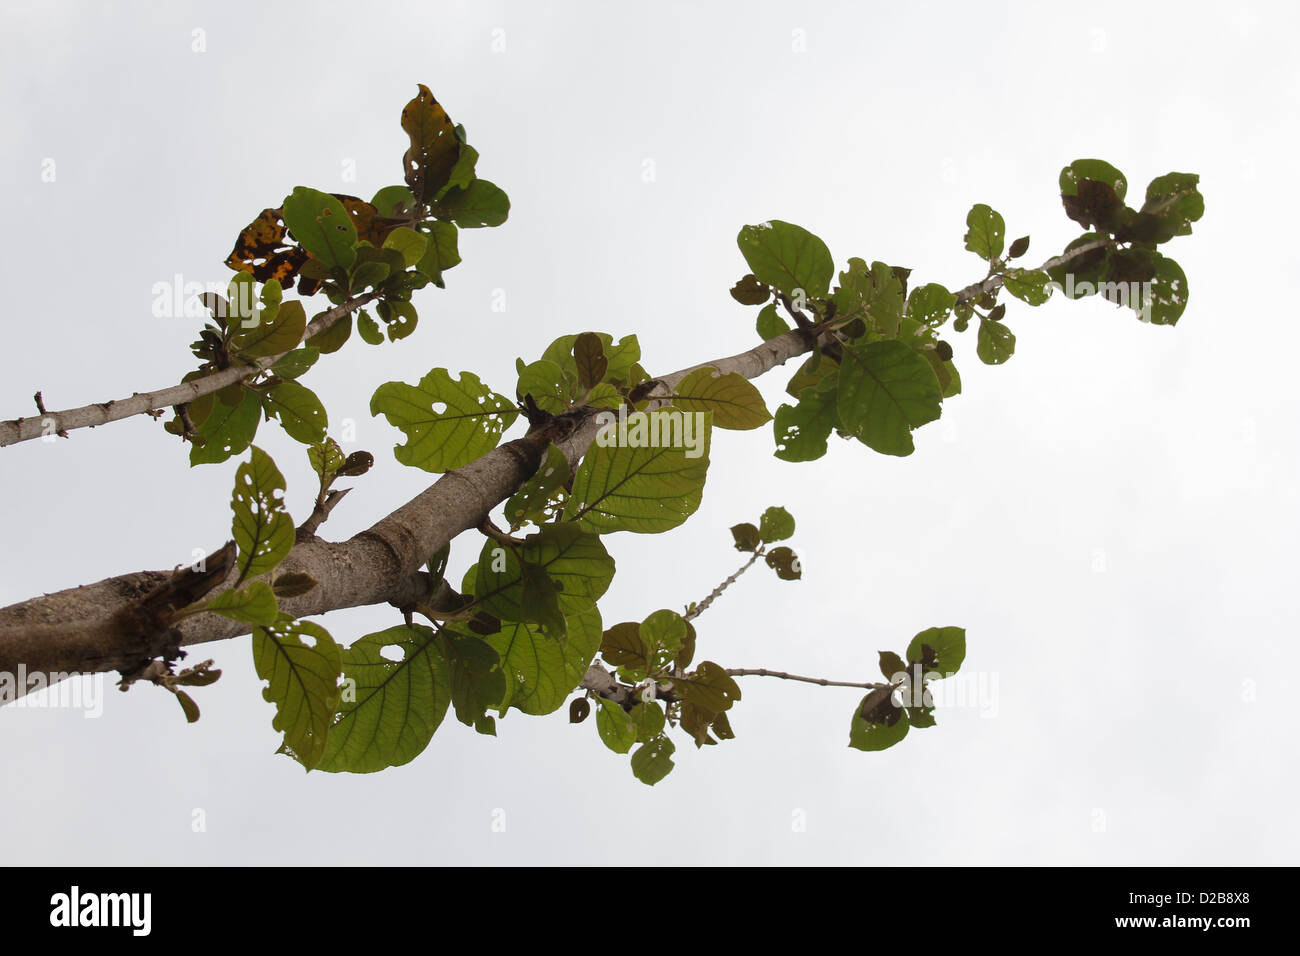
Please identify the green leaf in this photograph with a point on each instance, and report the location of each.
(777, 524)
(546, 382)
(769, 324)
(871, 736)
(408, 242)
(985, 232)
(447, 423)
(732, 398)
(540, 492)
(930, 304)
(298, 410)
(653, 761)
(462, 174)
(295, 363)
(1095, 169)
(787, 257)
(326, 458)
(1174, 200)
(1162, 302)
(441, 252)
(254, 604)
(322, 226)
(263, 532)
(476, 680)
(1029, 285)
(948, 644)
(227, 430)
(540, 671)
(333, 338)
(389, 708)
(648, 720)
(480, 204)
(708, 687)
(276, 331)
(634, 479)
(393, 201)
(802, 430)
(303, 665)
(505, 578)
(369, 330)
(402, 319)
(885, 391)
(996, 343)
(615, 726)
(891, 665)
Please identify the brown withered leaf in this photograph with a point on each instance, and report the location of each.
(266, 251)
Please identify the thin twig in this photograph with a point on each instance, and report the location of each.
(700, 608)
(821, 681)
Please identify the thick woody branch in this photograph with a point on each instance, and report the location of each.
(143, 403)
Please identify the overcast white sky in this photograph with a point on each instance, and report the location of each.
(1112, 515)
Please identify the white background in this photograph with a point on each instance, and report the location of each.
(1111, 515)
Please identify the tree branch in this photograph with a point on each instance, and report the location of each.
(17, 430)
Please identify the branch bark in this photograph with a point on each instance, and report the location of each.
(17, 430)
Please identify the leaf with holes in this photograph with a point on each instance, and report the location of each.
(263, 531)
(303, 665)
(787, 257)
(541, 672)
(393, 700)
(447, 423)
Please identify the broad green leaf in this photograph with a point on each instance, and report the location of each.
(227, 430)
(589, 359)
(326, 458)
(787, 257)
(985, 232)
(1029, 285)
(646, 477)
(1165, 298)
(447, 423)
(253, 604)
(802, 430)
(369, 329)
(303, 665)
(480, 204)
(298, 410)
(276, 331)
(546, 382)
(540, 671)
(401, 319)
(865, 735)
(575, 561)
(295, 363)
(389, 709)
(769, 324)
(1176, 202)
(393, 201)
(462, 174)
(949, 645)
(708, 687)
(442, 251)
(477, 682)
(777, 524)
(885, 391)
(653, 761)
(732, 398)
(408, 242)
(614, 726)
(262, 530)
(648, 720)
(995, 344)
(930, 304)
(333, 338)
(322, 226)
(1095, 169)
